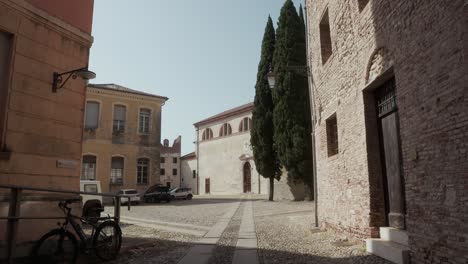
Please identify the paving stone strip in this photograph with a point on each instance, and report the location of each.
(203, 250)
(171, 227)
(246, 247)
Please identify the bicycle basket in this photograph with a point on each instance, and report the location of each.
(92, 210)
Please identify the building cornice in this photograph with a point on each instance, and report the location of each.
(226, 114)
(121, 94)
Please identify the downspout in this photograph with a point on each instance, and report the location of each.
(312, 105)
(198, 160)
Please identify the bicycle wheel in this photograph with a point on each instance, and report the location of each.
(57, 246)
(107, 240)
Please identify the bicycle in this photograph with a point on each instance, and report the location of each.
(61, 246)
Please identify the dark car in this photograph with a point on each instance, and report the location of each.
(156, 194)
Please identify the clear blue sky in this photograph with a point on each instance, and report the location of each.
(202, 54)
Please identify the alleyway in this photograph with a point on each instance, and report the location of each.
(234, 229)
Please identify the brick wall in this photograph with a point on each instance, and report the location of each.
(424, 42)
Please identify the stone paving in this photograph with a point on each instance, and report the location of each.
(242, 229)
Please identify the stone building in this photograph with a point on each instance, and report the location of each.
(40, 130)
(170, 174)
(391, 107)
(121, 137)
(188, 171)
(224, 155)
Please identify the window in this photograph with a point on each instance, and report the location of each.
(194, 174)
(88, 168)
(6, 41)
(117, 166)
(174, 172)
(174, 160)
(245, 124)
(120, 112)
(92, 115)
(325, 38)
(142, 171)
(207, 134)
(362, 4)
(168, 184)
(144, 121)
(92, 188)
(162, 172)
(332, 136)
(163, 160)
(225, 130)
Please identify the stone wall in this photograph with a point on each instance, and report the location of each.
(423, 45)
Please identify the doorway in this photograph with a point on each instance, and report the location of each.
(247, 177)
(390, 154)
(207, 185)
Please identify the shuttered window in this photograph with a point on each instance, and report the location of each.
(119, 118)
(92, 115)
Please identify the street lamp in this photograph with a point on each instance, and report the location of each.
(300, 70)
(271, 79)
(84, 73)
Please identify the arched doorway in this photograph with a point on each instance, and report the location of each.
(247, 178)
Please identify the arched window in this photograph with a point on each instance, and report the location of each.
(245, 124)
(225, 130)
(88, 168)
(142, 170)
(207, 134)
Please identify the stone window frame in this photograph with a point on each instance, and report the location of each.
(225, 130)
(148, 170)
(113, 117)
(207, 134)
(95, 166)
(326, 46)
(123, 171)
(243, 124)
(332, 135)
(4, 94)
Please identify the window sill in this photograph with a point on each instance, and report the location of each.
(142, 184)
(5, 155)
(116, 184)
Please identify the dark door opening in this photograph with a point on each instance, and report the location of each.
(207, 185)
(247, 178)
(389, 139)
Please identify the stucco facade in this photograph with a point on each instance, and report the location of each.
(40, 131)
(225, 162)
(170, 172)
(415, 52)
(117, 142)
(188, 170)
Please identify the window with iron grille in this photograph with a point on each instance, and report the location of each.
(386, 101)
(120, 112)
(144, 124)
(88, 168)
(332, 136)
(92, 115)
(117, 167)
(142, 171)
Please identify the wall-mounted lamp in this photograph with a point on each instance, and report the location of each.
(299, 70)
(84, 73)
(271, 79)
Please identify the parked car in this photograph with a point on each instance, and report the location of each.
(181, 193)
(157, 193)
(134, 196)
(90, 187)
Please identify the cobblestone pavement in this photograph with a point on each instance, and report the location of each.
(283, 232)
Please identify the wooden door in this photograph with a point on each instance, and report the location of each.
(247, 178)
(207, 185)
(390, 154)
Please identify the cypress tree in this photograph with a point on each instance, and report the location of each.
(291, 115)
(261, 134)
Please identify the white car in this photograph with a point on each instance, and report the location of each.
(90, 187)
(181, 193)
(134, 196)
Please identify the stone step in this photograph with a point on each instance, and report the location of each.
(391, 251)
(395, 235)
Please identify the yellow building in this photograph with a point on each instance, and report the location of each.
(121, 137)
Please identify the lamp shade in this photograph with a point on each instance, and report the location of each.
(271, 79)
(85, 74)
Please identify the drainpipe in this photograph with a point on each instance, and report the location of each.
(312, 105)
(198, 160)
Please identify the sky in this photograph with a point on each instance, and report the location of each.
(201, 54)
